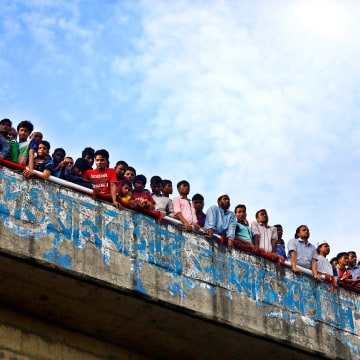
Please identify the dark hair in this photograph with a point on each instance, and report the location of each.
(298, 230)
(341, 254)
(121, 162)
(3, 121)
(155, 180)
(60, 150)
(88, 151)
(141, 178)
(240, 206)
(102, 153)
(333, 259)
(256, 215)
(165, 182)
(27, 125)
(197, 197)
(352, 252)
(182, 182)
(46, 143)
(125, 182)
(81, 164)
(130, 168)
(281, 241)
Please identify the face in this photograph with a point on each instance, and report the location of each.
(304, 233)
(156, 188)
(5, 127)
(352, 258)
(334, 262)
(262, 217)
(23, 134)
(167, 189)
(184, 189)
(198, 205)
(69, 162)
(240, 214)
(224, 202)
(130, 175)
(324, 249)
(100, 162)
(12, 134)
(139, 186)
(344, 260)
(42, 150)
(125, 190)
(37, 137)
(90, 160)
(58, 156)
(120, 171)
(279, 232)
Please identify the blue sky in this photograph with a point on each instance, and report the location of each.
(256, 98)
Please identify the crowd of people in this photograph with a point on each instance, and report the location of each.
(26, 146)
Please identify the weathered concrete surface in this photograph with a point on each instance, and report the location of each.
(127, 279)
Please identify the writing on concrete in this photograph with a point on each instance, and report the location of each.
(35, 211)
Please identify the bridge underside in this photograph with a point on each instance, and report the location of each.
(127, 319)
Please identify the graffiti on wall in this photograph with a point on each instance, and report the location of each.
(39, 211)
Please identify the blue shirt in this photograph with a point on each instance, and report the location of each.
(222, 223)
(304, 253)
(281, 251)
(244, 232)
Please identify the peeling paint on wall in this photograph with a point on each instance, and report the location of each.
(36, 211)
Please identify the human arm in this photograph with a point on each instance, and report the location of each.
(295, 269)
(314, 269)
(116, 203)
(178, 215)
(253, 247)
(210, 233)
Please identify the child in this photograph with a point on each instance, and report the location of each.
(102, 179)
(14, 146)
(124, 193)
(243, 232)
(57, 157)
(130, 174)
(166, 188)
(5, 126)
(89, 155)
(76, 173)
(24, 129)
(162, 203)
(142, 197)
(41, 162)
(183, 209)
(198, 204)
(120, 169)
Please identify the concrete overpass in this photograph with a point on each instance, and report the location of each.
(81, 280)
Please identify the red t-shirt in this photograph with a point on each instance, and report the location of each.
(101, 179)
(143, 195)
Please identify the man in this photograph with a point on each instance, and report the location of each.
(280, 247)
(265, 236)
(323, 265)
(342, 270)
(302, 252)
(220, 220)
(354, 269)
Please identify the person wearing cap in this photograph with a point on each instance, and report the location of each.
(221, 221)
(323, 265)
(302, 252)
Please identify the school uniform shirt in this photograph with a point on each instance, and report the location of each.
(101, 179)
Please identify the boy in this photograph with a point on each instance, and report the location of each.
(162, 203)
(41, 162)
(58, 156)
(198, 204)
(76, 173)
(183, 209)
(89, 155)
(166, 188)
(130, 174)
(243, 232)
(14, 146)
(5, 126)
(102, 179)
(120, 169)
(142, 197)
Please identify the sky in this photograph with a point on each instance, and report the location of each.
(259, 99)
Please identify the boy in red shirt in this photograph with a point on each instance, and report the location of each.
(142, 197)
(102, 179)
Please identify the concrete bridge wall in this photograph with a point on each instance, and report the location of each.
(149, 289)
